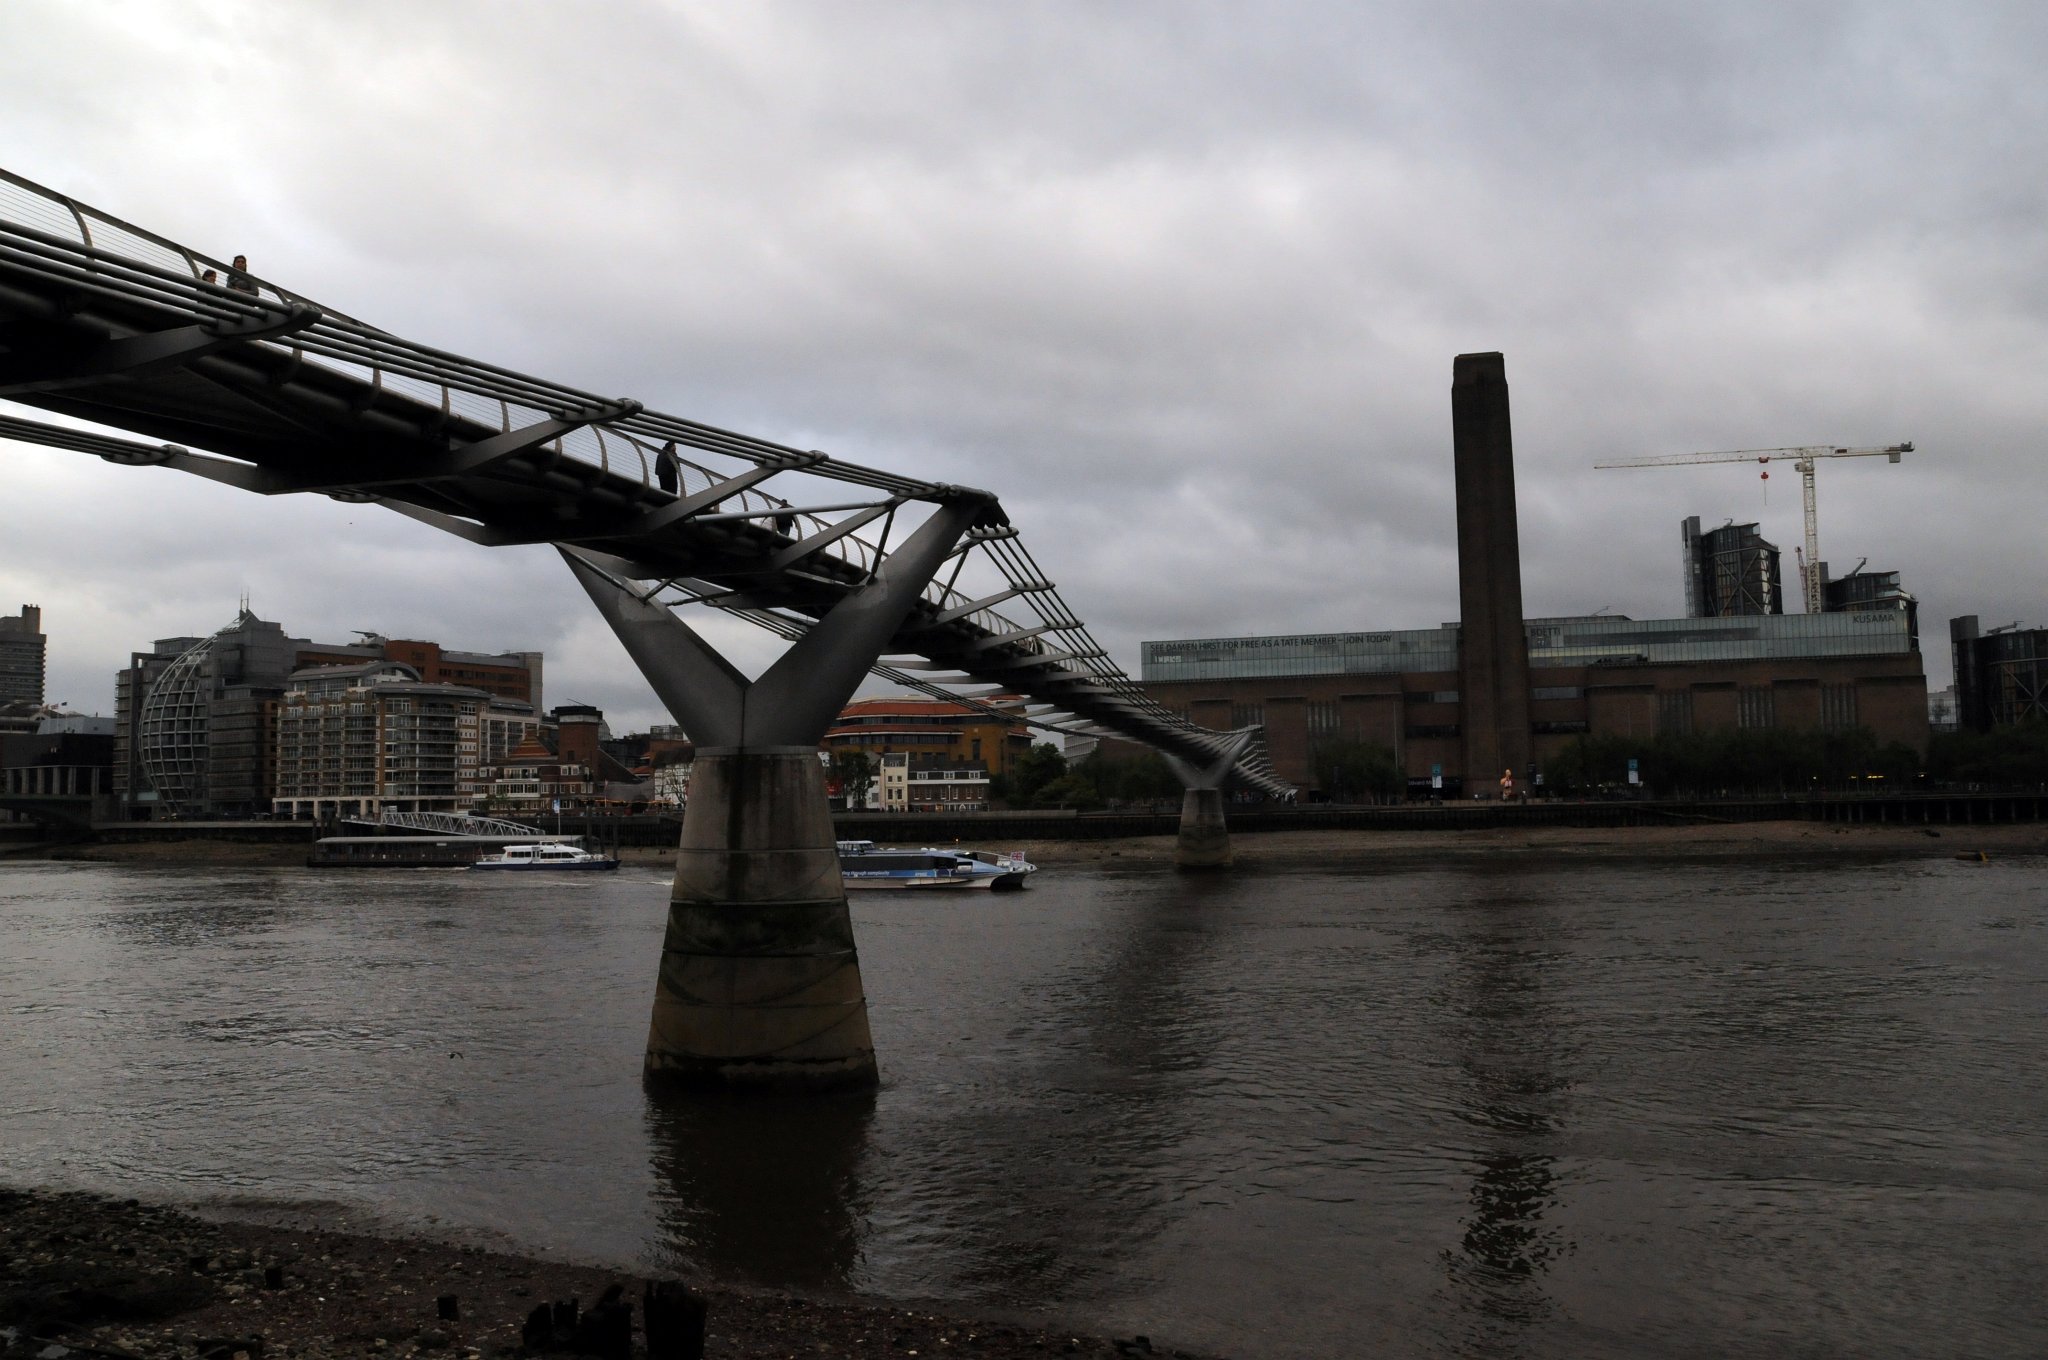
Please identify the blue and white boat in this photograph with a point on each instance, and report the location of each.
(864, 865)
(545, 856)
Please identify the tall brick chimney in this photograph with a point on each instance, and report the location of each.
(1493, 647)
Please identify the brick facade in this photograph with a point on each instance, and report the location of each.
(1411, 714)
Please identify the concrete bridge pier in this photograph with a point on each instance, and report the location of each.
(759, 983)
(1204, 841)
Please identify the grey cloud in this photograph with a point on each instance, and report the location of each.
(1181, 282)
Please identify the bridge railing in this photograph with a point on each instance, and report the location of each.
(110, 250)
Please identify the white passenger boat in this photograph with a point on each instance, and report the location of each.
(864, 865)
(545, 856)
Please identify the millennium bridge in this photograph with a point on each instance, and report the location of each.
(237, 379)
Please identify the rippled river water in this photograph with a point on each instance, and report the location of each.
(1765, 1108)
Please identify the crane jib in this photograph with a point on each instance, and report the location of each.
(1802, 463)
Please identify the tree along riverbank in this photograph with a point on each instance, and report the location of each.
(108, 1277)
(1349, 849)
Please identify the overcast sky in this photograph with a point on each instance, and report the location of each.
(1181, 282)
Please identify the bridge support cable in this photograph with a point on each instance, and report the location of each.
(760, 980)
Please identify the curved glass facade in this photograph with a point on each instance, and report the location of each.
(172, 737)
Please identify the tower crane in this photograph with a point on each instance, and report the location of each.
(1802, 460)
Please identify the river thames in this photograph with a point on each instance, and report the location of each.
(1729, 1107)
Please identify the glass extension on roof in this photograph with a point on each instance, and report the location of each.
(1596, 640)
(1608, 639)
(1413, 649)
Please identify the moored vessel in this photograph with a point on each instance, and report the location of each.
(545, 855)
(863, 865)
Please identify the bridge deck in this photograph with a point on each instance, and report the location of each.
(264, 390)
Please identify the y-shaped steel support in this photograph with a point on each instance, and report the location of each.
(760, 981)
(1204, 839)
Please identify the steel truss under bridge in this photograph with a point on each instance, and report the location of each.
(462, 824)
(265, 390)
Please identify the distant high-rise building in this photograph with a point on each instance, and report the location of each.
(2001, 674)
(1867, 591)
(21, 655)
(1730, 571)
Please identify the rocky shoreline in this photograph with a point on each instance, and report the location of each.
(91, 1276)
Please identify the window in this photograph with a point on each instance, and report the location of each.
(1674, 712)
(1322, 718)
(1755, 707)
(1247, 715)
(1837, 707)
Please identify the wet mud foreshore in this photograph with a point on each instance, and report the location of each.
(102, 1277)
(1353, 850)
(1358, 850)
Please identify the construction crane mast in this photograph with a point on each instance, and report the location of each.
(1802, 460)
